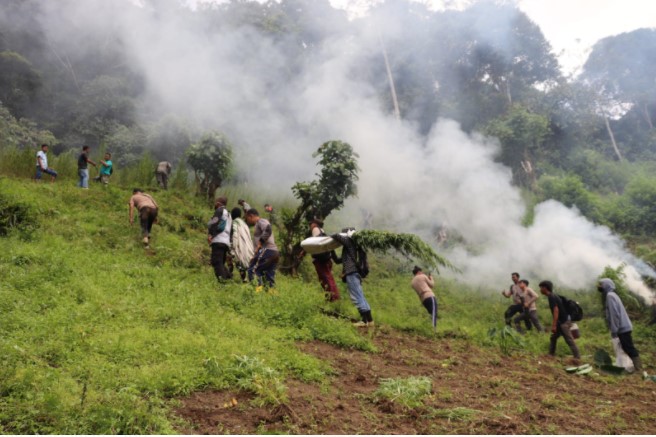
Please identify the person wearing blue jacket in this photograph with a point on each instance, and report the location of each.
(618, 321)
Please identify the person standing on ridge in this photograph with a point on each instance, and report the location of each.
(106, 169)
(162, 173)
(561, 323)
(618, 321)
(83, 168)
(423, 285)
(42, 164)
(147, 209)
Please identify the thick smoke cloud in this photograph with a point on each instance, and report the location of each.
(238, 81)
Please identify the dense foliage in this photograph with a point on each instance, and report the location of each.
(211, 159)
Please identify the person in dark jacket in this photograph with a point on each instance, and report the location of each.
(618, 321)
(351, 276)
(561, 324)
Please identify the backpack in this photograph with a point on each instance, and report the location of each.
(573, 309)
(217, 224)
(361, 262)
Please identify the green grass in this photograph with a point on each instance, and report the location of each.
(98, 336)
(409, 392)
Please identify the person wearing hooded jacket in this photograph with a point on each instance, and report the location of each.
(618, 321)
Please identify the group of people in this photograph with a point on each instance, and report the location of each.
(232, 247)
(104, 171)
(524, 304)
(105, 168)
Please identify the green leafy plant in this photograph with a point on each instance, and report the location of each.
(251, 374)
(409, 392)
(319, 198)
(409, 245)
(211, 159)
(507, 339)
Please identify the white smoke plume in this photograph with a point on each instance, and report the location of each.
(237, 81)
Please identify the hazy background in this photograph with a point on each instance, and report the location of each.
(279, 92)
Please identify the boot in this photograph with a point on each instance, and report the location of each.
(637, 363)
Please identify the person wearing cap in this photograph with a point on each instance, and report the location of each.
(218, 236)
(147, 209)
(423, 285)
(618, 321)
(351, 275)
(266, 257)
(561, 323)
(323, 263)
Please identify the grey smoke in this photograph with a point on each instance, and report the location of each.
(237, 81)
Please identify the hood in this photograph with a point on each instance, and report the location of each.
(607, 285)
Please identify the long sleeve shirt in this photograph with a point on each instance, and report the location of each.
(349, 255)
(263, 235)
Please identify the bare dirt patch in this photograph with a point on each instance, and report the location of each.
(475, 391)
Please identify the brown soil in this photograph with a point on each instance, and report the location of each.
(475, 391)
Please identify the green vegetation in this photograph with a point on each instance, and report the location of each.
(408, 392)
(99, 336)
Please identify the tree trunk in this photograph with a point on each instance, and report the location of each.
(397, 111)
(612, 138)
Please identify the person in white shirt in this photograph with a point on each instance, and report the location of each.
(42, 164)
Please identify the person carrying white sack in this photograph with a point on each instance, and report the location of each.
(618, 321)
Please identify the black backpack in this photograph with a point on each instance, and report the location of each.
(361, 262)
(573, 309)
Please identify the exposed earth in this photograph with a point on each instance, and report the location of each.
(474, 391)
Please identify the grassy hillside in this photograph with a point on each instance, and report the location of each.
(99, 336)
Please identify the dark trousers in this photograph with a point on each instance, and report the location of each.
(147, 217)
(219, 251)
(325, 273)
(531, 316)
(563, 330)
(430, 303)
(514, 309)
(264, 264)
(627, 345)
(162, 180)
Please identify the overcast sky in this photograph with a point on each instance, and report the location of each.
(573, 26)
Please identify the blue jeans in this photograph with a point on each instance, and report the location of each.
(49, 171)
(354, 283)
(84, 177)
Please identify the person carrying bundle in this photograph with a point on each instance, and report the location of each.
(323, 264)
(423, 285)
(352, 276)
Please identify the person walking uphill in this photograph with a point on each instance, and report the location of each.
(561, 323)
(423, 284)
(515, 291)
(530, 307)
(351, 275)
(42, 164)
(266, 257)
(323, 264)
(162, 173)
(147, 209)
(83, 162)
(618, 321)
(218, 236)
(241, 244)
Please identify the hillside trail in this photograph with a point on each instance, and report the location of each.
(475, 391)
